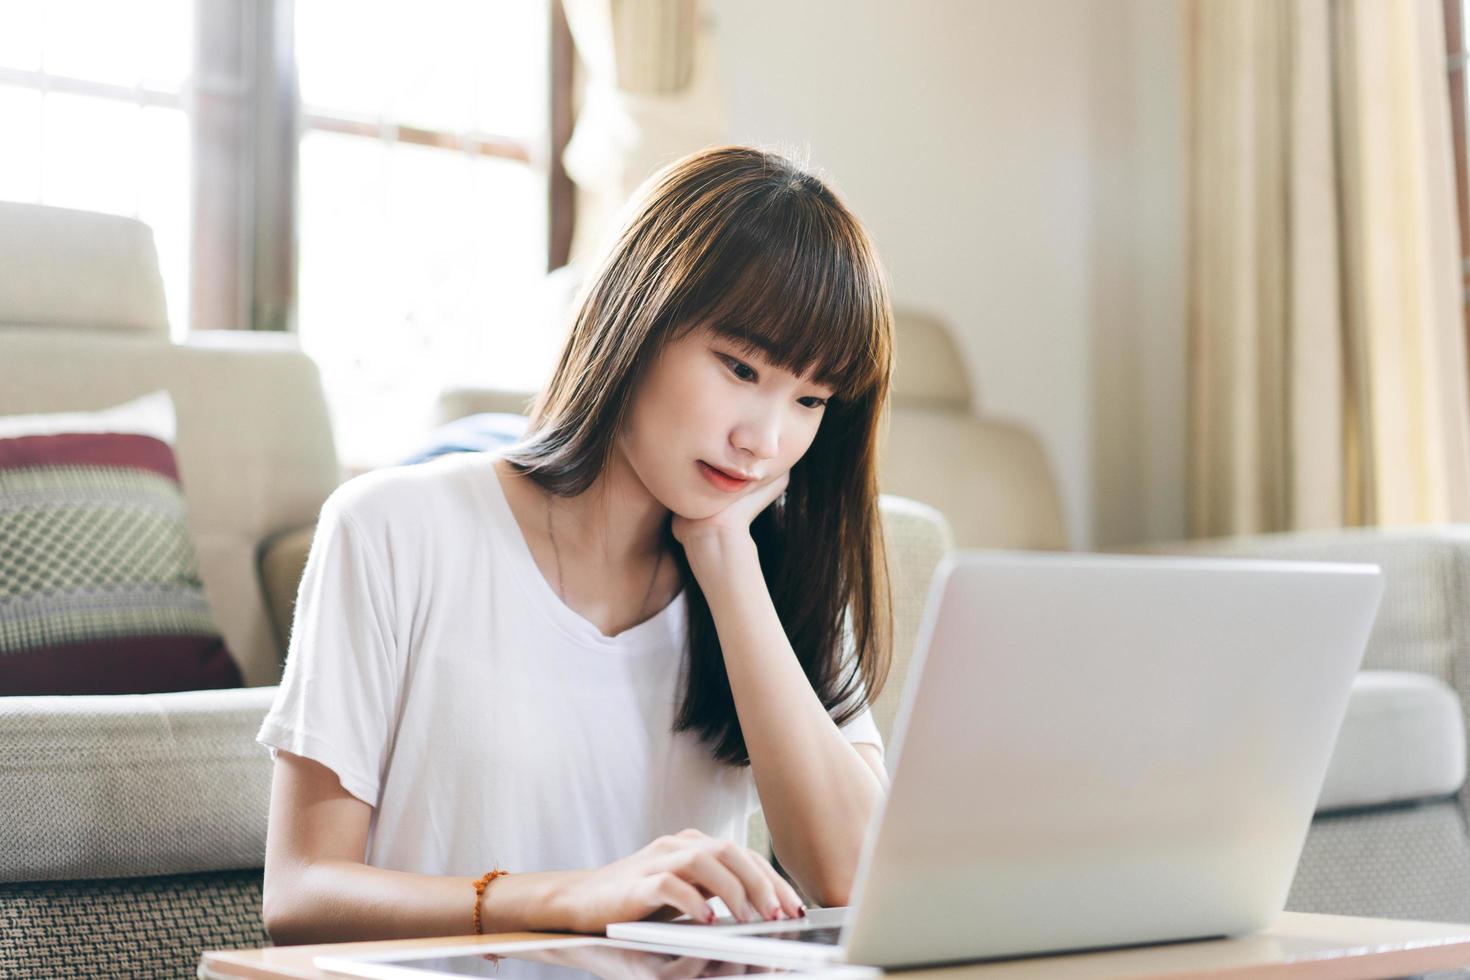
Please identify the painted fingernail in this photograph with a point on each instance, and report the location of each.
(774, 912)
(709, 915)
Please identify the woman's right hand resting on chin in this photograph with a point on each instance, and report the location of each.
(317, 888)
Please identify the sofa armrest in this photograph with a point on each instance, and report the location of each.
(126, 785)
(282, 560)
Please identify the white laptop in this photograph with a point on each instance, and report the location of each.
(1091, 751)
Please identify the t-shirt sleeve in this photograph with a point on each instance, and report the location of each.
(861, 727)
(336, 703)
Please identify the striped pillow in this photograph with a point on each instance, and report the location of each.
(99, 587)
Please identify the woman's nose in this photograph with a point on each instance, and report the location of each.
(760, 434)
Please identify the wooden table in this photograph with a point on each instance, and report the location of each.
(1299, 945)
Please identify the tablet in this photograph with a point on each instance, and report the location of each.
(575, 958)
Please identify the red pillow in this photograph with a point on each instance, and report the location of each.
(99, 586)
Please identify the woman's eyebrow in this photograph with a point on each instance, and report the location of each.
(759, 346)
(752, 345)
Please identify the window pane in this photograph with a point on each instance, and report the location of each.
(419, 269)
(457, 65)
(121, 43)
(20, 164)
(165, 168)
(345, 72)
(20, 35)
(89, 156)
(509, 63)
(435, 92)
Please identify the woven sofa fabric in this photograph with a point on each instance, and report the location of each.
(1395, 862)
(99, 585)
(1402, 740)
(246, 474)
(139, 928)
(130, 785)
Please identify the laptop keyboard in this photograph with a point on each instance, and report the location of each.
(821, 935)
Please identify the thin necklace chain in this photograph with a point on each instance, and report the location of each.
(561, 588)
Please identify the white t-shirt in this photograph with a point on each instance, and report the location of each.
(434, 669)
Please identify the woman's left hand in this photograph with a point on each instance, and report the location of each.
(731, 525)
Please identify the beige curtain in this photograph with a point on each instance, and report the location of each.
(1327, 356)
(649, 94)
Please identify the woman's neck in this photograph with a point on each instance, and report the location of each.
(601, 550)
(615, 524)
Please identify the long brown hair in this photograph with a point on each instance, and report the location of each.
(747, 243)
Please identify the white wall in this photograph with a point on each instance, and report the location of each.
(1019, 167)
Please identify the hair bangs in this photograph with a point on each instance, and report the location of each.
(803, 308)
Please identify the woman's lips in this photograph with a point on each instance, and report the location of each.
(721, 480)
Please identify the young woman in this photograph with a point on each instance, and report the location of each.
(586, 660)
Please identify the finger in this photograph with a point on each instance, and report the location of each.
(773, 490)
(790, 901)
(699, 867)
(667, 888)
(760, 879)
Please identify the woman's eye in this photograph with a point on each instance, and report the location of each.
(741, 370)
(745, 372)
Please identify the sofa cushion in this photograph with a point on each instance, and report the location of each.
(1403, 739)
(107, 786)
(99, 587)
(254, 444)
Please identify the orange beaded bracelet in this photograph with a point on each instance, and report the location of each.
(480, 884)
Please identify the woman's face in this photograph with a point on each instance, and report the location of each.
(711, 423)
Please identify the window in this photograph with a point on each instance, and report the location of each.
(94, 112)
(423, 206)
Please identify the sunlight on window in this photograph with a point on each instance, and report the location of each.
(122, 43)
(20, 164)
(20, 35)
(475, 65)
(420, 266)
